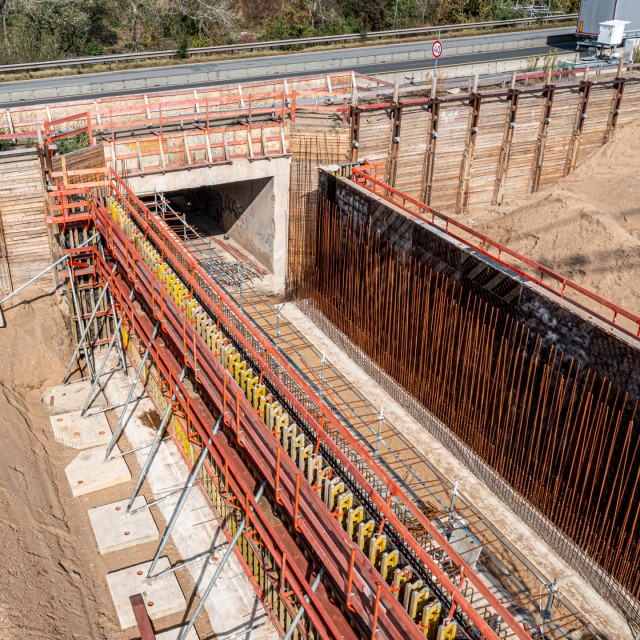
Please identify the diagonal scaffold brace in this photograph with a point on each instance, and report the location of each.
(82, 344)
(99, 372)
(124, 418)
(212, 583)
(155, 445)
(183, 499)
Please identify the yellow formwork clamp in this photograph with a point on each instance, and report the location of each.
(332, 490)
(377, 547)
(417, 602)
(248, 380)
(239, 367)
(313, 468)
(447, 630)
(252, 385)
(288, 433)
(408, 591)
(345, 503)
(303, 456)
(259, 394)
(431, 620)
(400, 579)
(365, 533)
(355, 516)
(296, 444)
(388, 564)
(232, 357)
(274, 411)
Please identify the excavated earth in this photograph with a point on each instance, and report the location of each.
(587, 225)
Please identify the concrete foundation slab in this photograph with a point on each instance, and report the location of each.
(162, 597)
(89, 472)
(73, 431)
(115, 530)
(70, 397)
(172, 634)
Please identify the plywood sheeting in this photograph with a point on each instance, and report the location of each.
(22, 209)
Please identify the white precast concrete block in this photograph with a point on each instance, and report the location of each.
(172, 634)
(88, 472)
(162, 596)
(70, 397)
(76, 432)
(115, 530)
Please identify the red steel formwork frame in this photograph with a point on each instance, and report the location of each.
(170, 246)
(365, 592)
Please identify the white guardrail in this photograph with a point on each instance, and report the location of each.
(276, 44)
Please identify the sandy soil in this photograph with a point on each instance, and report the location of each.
(587, 226)
(47, 582)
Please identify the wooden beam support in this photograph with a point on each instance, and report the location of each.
(462, 199)
(581, 116)
(505, 149)
(616, 104)
(394, 144)
(430, 153)
(543, 131)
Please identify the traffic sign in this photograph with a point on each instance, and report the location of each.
(436, 49)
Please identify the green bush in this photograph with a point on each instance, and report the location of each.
(73, 143)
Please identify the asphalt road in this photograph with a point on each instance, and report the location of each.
(314, 62)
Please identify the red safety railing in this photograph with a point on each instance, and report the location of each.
(366, 177)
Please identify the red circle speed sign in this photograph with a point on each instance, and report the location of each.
(436, 49)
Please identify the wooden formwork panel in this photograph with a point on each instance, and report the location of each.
(22, 209)
(452, 136)
(563, 119)
(595, 124)
(375, 136)
(630, 107)
(486, 155)
(524, 145)
(414, 136)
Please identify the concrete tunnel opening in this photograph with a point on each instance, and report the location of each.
(237, 216)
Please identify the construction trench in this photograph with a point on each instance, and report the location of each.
(214, 252)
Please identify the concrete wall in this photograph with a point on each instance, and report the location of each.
(259, 220)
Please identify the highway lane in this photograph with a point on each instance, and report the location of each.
(417, 56)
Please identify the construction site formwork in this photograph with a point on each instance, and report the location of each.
(536, 413)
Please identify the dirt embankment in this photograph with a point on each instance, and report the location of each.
(587, 226)
(46, 579)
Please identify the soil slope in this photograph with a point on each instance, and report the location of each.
(45, 564)
(587, 226)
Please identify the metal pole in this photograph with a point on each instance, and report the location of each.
(324, 361)
(185, 631)
(80, 321)
(86, 330)
(155, 445)
(298, 617)
(51, 266)
(183, 499)
(122, 421)
(379, 434)
(123, 357)
(94, 384)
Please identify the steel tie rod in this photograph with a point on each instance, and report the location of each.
(183, 499)
(122, 421)
(155, 445)
(227, 554)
